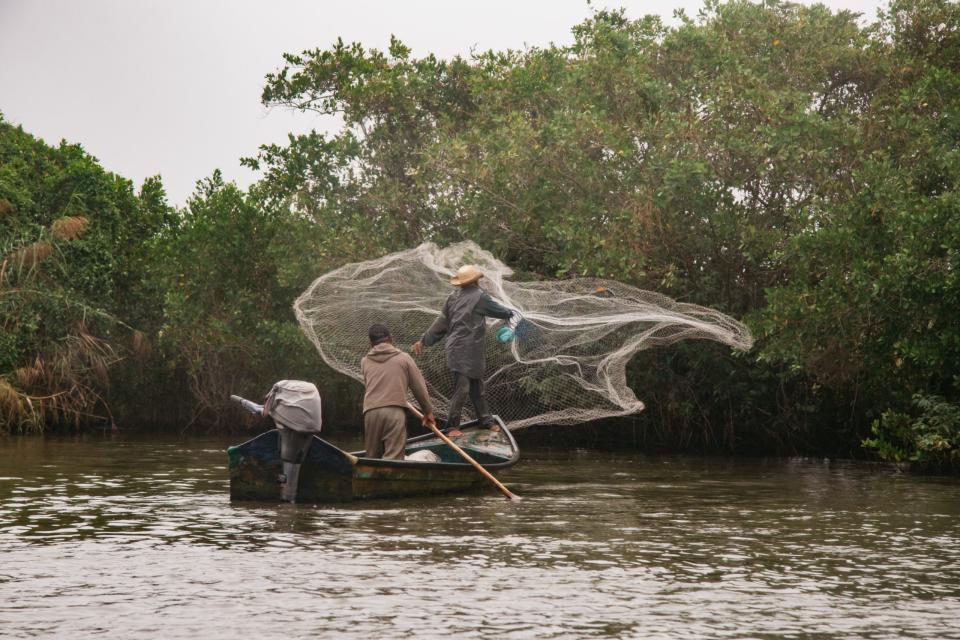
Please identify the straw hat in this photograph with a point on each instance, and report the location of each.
(465, 275)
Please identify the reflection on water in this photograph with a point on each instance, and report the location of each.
(138, 539)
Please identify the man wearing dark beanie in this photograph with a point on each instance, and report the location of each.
(387, 374)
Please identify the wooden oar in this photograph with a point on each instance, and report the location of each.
(476, 465)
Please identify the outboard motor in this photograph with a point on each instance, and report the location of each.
(294, 406)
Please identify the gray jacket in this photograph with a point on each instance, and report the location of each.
(463, 322)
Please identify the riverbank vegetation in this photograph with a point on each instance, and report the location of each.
(791, 166)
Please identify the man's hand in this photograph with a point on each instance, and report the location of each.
(417, 348)
(428, 420)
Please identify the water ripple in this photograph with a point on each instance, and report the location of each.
(138, 539)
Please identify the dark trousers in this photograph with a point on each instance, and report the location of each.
(385, 432)
(462, 385)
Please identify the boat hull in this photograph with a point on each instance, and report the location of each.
(329, 474)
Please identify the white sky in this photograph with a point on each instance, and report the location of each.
(172, 87)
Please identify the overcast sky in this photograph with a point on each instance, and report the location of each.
(173, 87)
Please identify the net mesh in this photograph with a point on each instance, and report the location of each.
(567, 362)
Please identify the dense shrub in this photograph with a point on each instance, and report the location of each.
(783, 163)
(930, 440)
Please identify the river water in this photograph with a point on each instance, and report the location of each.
(126, 538)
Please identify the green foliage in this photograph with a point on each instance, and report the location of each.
(120, 310)
(217, 264)
(870, 303)
(780, 162)
(931, 441)
(71, 239)
(775, 160)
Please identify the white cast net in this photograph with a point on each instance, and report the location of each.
(567, 363)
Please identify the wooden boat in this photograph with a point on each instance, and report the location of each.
(329, 474)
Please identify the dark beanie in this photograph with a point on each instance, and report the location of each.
(378, 333)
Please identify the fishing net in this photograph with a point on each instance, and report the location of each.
(567, 360)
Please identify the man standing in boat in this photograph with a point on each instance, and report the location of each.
(387, 374)
(463, 321)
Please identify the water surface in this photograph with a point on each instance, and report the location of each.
(122, 538)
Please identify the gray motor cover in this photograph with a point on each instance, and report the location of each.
(295, 404)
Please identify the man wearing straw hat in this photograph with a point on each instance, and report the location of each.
(463, 322)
